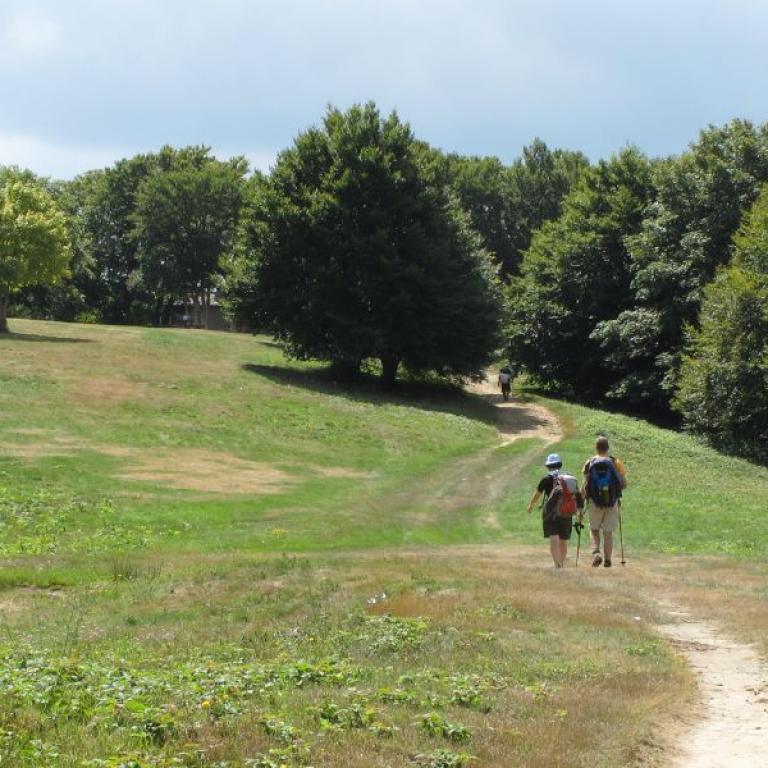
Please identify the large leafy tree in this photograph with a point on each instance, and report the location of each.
(358, 255)
(34, 242)
(507, 204)
(576, 274)
(723, 387)
(483, 187)
(105, 204)
(77, 295)
(133, 219)
(685, 236)
(539, 181)
(185, 219)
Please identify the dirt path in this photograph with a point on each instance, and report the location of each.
(480, 479)
(731, 726)
(518, 419)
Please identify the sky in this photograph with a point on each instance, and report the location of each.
(84, 83)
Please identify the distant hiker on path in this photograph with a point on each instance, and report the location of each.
(505, 381)
(604, 480)
(562, 500)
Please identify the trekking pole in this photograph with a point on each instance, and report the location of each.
(621, 536)
(579, 526)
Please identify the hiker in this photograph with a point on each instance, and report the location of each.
(505, 381)
(604, 481)
(562, 501)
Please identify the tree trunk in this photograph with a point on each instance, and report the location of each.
(4, 301)
(345, 370)
(389, 366)
(205, 308)
(168, 310)
(159, 304)
(195, 310)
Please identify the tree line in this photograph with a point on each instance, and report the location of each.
(635, 280)
(631, 294)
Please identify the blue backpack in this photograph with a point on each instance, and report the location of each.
(603, 482)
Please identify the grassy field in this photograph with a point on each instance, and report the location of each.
(683, 497)
(212, 556)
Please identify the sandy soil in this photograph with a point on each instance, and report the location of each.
(729, 729)
(519, 419)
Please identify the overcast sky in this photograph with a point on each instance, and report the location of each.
(86, 82)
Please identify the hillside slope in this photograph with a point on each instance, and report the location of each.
(186, 439)
(214, 557)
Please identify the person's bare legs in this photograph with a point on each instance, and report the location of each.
(563, 550)
(608, 544)
(556, 550)
(594, 536)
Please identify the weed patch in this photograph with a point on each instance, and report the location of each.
(43, 523)
(443, 758)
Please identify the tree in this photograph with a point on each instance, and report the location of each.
(482, 185)
(685, 237)
(357, 256)
(185, 219)
(507, 205)
(539, 182)
(576, 274)
(77, 295)
(723, 386)
(105, 207)
(34, 246)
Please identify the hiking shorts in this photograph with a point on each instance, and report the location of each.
(555, 525)
(605, 518)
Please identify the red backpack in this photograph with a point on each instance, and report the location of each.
(565, 499)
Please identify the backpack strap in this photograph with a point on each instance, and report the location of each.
(544, 499)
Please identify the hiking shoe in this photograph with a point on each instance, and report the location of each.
(607, 563)
(596, 559)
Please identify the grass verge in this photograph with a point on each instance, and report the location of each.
(448, 659)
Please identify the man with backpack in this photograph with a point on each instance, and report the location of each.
(604, 481)
(562, 501)
(505, 381)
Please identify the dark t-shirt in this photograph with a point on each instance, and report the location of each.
(546, 484)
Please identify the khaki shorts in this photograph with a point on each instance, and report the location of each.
(606, 518)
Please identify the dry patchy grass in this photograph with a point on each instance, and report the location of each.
(517, 661)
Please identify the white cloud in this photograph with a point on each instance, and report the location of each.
(261, 161)
(32, 32)
(57, 161)
(246, 76)
(61, 161)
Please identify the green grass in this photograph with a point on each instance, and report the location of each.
(683, 497)
(119, 401)
(403, 660)
(115, 405)
(214, 557)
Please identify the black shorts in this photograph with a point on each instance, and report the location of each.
(558, 526)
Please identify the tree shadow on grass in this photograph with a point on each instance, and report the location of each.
(425, 396)
(11, 336)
